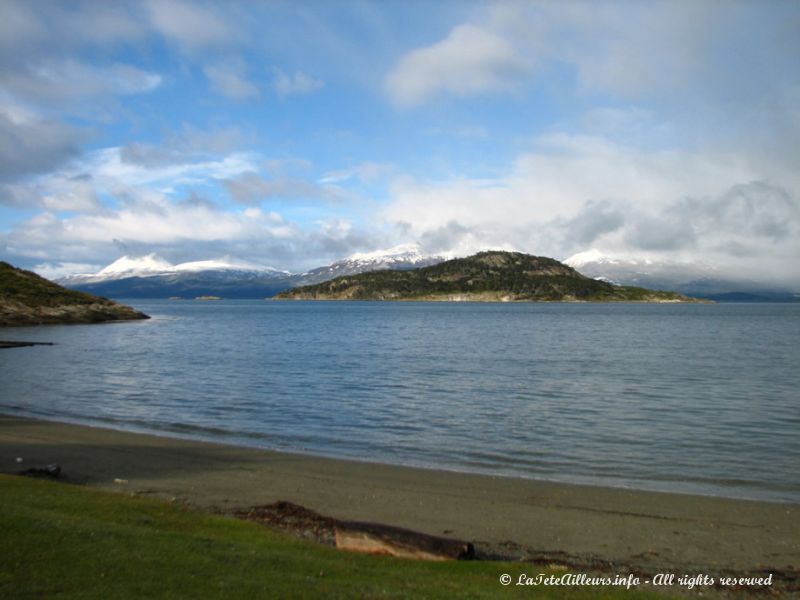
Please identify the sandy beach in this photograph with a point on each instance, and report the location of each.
(518, 518)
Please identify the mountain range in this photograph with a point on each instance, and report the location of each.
(697, 279)
(153, 277)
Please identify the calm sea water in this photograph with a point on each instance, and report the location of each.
(690, 398)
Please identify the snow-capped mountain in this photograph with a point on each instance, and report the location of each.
(131, 267)
(641, 271)
(151, 276)
(400, 258)
(154, 277)
(152, 265)
(691, 278)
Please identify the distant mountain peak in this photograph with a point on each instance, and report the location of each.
(404, 251)
(592, 255)
(126, 264)
(402, 257)
(224, 263)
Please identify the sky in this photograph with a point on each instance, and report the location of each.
(292, 134)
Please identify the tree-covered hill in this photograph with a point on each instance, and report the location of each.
(28, 299)
(486, 276)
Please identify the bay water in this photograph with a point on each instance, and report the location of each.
(682, 398)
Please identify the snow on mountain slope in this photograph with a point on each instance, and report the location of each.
(127, 266)
(226, 263)
(153, 265)
(681, 276)
(405, 256)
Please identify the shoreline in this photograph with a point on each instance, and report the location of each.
(232, 441)
(565, 523)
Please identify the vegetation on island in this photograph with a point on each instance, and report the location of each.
(67, 541)
(28, 299)
(487, 276)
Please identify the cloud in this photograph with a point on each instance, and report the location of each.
(47, 26)
(252, 188)
(627, 50)
(298, 83)
(150, 222)
(470, 60)
(666, 231)
(71, 194)
(630, 49)
(228, 79)
(366, 172)
(72, 78)
(50, 270)
(186, 230)
(187, 145)
(192, 26)
(186, 158)
(594, 220)
(755, 218)
(557, 177)
(570, 193)
(114, 168)
(57, 193)
(30, 145)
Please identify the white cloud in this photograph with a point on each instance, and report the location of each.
(193, 26)
(73, 194)
(574, 192)
(297, 83)
(50, 270)
(110, 169)
(470, 60)
(188, 158)
(250, 187)
(187, 145)
(73, 78)
(70, 85)
(228, 79)
(366, 172)
(154, 223)
(32, 25)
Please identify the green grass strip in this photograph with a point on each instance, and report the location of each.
(64, 541)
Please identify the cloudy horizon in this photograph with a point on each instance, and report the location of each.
(295, 134)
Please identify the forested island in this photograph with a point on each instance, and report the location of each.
(493, 276)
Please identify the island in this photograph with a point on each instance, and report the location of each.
(492, 276)
(28, 299)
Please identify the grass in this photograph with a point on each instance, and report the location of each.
(63, 541)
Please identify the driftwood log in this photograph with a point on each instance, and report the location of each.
(374, 538)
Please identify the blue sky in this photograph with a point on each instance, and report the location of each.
(292, 134)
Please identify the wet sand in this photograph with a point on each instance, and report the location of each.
(552, 522)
